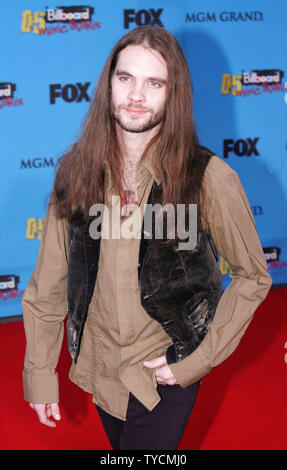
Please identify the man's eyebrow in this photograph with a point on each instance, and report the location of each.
(160, 80)
(123, 72)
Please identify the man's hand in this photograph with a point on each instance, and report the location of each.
(44, 411)
(163, 373)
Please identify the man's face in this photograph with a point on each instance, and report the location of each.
(139, 89)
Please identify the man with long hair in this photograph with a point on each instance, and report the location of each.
(147, 318)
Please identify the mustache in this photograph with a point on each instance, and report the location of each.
(138, 107)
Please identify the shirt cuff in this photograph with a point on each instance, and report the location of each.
(189, 370)
(40, 386)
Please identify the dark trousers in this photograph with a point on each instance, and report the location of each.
(159, 429)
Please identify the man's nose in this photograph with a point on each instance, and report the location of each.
(137, 94)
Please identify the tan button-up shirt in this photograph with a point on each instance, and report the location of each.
(118, 334)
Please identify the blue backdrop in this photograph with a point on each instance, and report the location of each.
(52, 54)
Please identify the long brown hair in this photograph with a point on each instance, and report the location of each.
(79, 181)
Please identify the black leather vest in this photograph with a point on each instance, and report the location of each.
(179, 288)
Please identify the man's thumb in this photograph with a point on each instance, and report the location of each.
(157, 362)
(55, 411)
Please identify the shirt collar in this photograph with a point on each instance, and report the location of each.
(147, 164)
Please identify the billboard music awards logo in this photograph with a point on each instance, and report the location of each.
(254, 82)
(34, 228)
(271, 254)
(60, 20)
(9, 287)
(7, 98)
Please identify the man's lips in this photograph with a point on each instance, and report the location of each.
(137, 111)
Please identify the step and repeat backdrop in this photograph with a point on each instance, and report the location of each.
(52, 55)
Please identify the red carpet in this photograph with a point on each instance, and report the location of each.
(241, 404)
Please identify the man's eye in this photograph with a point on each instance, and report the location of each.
(124, 79)
(154, 84)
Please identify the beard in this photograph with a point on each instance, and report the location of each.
(137, 123)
